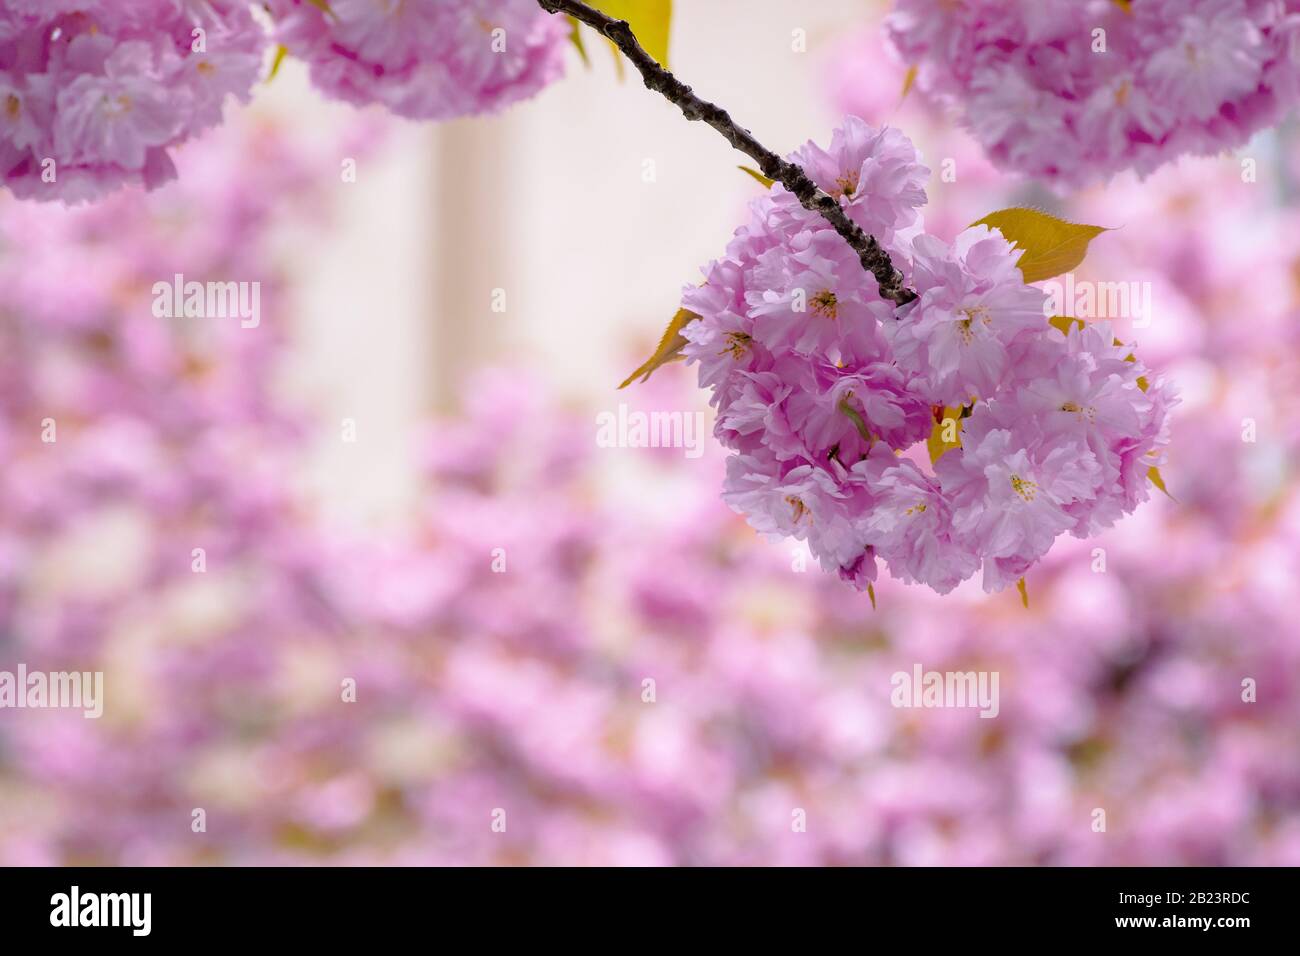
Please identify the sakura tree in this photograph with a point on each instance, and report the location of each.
(526, 690)
(836, 335)
(841, 341)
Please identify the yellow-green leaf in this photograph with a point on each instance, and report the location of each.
(669, 350)
(1157, 480)
(767, 183)
(1024, 592)
(1049, 246)
(1063, 322)
(948, 423)
(855, 416)
(281, 52)
(908, 82)
(1142, 382)
(575, 37)
(651, 21)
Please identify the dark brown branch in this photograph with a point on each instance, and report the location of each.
(874, 259)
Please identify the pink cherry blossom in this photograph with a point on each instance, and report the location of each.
(910, 523)
(820, 384)
(523, 689)
(1009, 504)
(93, 95)
(812, 297)
(807, 503)
(1075, 91)
(425, 59)
(874, 173)
(973, 305)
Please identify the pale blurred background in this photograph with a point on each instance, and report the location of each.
(500, 588)
(550, 203)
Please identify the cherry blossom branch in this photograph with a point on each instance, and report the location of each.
(790, 175)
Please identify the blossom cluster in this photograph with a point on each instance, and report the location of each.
(94, 93)
(425, 59)
(520, 683)
(822, 385)
(1074, 91)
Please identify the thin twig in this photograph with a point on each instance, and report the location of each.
(874, 259)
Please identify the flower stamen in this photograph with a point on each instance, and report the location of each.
(846, 185)
(1086, 413)
(825, 304)
(737, 344)
(1024, 488)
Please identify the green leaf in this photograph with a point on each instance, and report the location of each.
(669, 350)
(908, 82)
(575, 37)
(767, 183)
(936, 444)
(1158, 481)
(1049, 246)
(651, 21)
(281, 52)
(1063, 322)
(856, 418)
(1142, 382)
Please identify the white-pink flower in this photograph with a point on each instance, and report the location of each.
(425, 59)
(1074, 91)
(821, 386)
(910, 524)
(973, 305)
(1008, 504)
(93, 94)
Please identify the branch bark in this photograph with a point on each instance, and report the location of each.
(658, 79)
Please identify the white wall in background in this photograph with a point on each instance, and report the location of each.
(549, 202)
